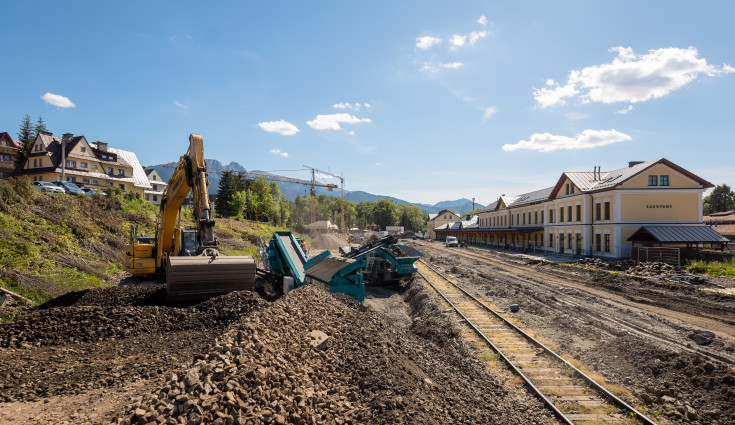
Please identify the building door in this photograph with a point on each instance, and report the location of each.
(579, 244)
(561, 243)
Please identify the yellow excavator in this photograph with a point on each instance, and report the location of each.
(189, 256)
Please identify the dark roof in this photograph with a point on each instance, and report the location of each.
(677, 234)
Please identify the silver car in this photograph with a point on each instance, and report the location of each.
(47, 187)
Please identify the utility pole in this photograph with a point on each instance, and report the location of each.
(63, 158)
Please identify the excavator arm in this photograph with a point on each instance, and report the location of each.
(189, 277)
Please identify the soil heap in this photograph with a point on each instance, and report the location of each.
(328, 241)
(313, 357)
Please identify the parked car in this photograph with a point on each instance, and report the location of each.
(451, 241)
(90, 192)
(47, 187)
(69, 187)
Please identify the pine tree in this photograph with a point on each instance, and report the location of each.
(39, 128)
(227, 190)
(25, 135)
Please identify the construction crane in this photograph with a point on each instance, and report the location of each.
(341, 195)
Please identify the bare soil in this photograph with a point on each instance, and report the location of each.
(119, 355)
(670, 344)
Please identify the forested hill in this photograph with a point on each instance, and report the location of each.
(292, 190)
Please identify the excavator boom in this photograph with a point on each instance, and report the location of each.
(191, 260)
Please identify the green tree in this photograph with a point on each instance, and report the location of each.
(39, 128)
(25, 135)
(225, 196)
(385, 213)
(721, 199)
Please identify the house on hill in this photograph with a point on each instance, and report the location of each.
(8, 153)
(155, 193)
(73, 159)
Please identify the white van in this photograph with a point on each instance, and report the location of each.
(452, 241)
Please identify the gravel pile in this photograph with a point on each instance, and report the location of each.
(631, 267)
(312, 357)
(328, 241)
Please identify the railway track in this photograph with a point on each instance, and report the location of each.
(517, 272)
(574, 397)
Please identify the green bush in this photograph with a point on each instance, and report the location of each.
(712, 268)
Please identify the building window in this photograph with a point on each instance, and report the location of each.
(607, 210)
(110, 184)
(664, 180)
(535, 217)
(83, 149)
(122, 186)
(120, 172)
(71, 164)
(569, 213)
(524, 218)
(561, 242)
(71, 179)
(551, 216)
(579, 213)
(94, 166)
(607, 242)
(97, 182)
(110, 170)
(155, 198)
(569, 242)
(85, 181)
(561, 214)
(598, 211)
(566, 189)
(83, 164)
(598, 242)
(155, 187)
(653, 180)
(4, 143)
(542, 216)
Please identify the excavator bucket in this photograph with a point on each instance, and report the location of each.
(200, 277)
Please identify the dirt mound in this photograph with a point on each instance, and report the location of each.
(98, 341)
(312, 357)
(328, 241)
(631, 267)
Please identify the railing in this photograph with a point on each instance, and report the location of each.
(663, 255)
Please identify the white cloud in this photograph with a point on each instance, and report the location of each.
(352, 106)
(434, 68)
(333, 121)
(482, 20)
(625, 110)
(282, 127)
(489, 112)
(476, 35)
(58, 100)
(545, 142)
(351, 133)
(457, 41)
(181, 105)
(278, 152)
(427, 42)
(631, 78)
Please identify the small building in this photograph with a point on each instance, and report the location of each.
(154, 194)
(8, 153)
(439, 220)
(394, 230)
(322, 226)
(724, 224)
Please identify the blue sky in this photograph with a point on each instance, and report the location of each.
(425, 101)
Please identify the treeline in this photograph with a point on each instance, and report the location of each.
(262, 200)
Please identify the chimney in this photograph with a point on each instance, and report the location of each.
(594, 174)
(102, 146)
(67, 137)
(634, 163)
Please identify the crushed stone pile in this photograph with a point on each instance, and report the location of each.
(106, 337)
(631, 266)
(317, 358)
(328, 241)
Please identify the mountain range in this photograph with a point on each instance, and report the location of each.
(291, 187)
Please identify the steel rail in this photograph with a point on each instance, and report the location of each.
(591, 382)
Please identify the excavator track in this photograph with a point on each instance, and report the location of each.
(201, 277)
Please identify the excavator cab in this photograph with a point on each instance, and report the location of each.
(189, 244)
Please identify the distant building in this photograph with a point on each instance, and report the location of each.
(441, 219)
(323, 226)
(94, 165)
(155, 193)
(394, 230)
(8, 153)
(724, 224)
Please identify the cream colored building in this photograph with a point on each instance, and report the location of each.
(594, 213)
(74, 159)
(155, 193)
(438, 220)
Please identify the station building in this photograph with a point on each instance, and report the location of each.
(599, 213)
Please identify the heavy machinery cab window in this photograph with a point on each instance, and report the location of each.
(189, 243)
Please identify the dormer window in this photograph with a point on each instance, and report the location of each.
(83, 149)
